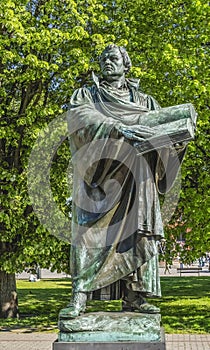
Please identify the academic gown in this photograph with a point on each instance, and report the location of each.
(116, 218)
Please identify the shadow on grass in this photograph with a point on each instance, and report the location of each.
(185, 305)
(39, 305)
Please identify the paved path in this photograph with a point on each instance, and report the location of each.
(43, 341)
(187, 342)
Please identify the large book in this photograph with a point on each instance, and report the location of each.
(171, 125)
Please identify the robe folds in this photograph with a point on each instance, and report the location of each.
(116, 218)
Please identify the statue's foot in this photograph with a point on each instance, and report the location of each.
(76, 306)
(139, 304)
(145, 308)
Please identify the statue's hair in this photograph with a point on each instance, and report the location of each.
(125, 56)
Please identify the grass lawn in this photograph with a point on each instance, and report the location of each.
(185, 305)
(39, 304)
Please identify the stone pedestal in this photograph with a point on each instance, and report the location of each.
(109, 346)
(111, 331)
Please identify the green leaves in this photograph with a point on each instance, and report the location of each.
(49, 48)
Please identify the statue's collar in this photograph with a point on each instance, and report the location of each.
(95, 79)
(132, 83)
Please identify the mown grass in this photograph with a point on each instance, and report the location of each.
(39, 304)
(185, 305)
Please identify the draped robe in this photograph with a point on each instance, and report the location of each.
(116, 218)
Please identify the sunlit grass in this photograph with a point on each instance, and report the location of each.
(39, 304)
(185, 305)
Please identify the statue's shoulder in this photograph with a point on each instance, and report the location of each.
(80, 96)
(82, 91)
(91, 86)
(140, 96)
(134, 85)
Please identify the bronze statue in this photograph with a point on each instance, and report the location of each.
(124, 152)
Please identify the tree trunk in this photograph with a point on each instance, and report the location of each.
(8, 296)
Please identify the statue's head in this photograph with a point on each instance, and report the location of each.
(114, 60)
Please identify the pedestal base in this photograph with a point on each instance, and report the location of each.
(111, 331)
(111, 345)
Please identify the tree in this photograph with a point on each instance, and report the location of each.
(48, 48)
(31, 56)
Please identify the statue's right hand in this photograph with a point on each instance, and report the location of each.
(136, 132)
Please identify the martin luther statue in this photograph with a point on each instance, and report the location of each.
(126, 150)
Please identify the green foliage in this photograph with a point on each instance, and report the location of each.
(47, 49)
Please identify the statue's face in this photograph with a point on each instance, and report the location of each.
(111, 63)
